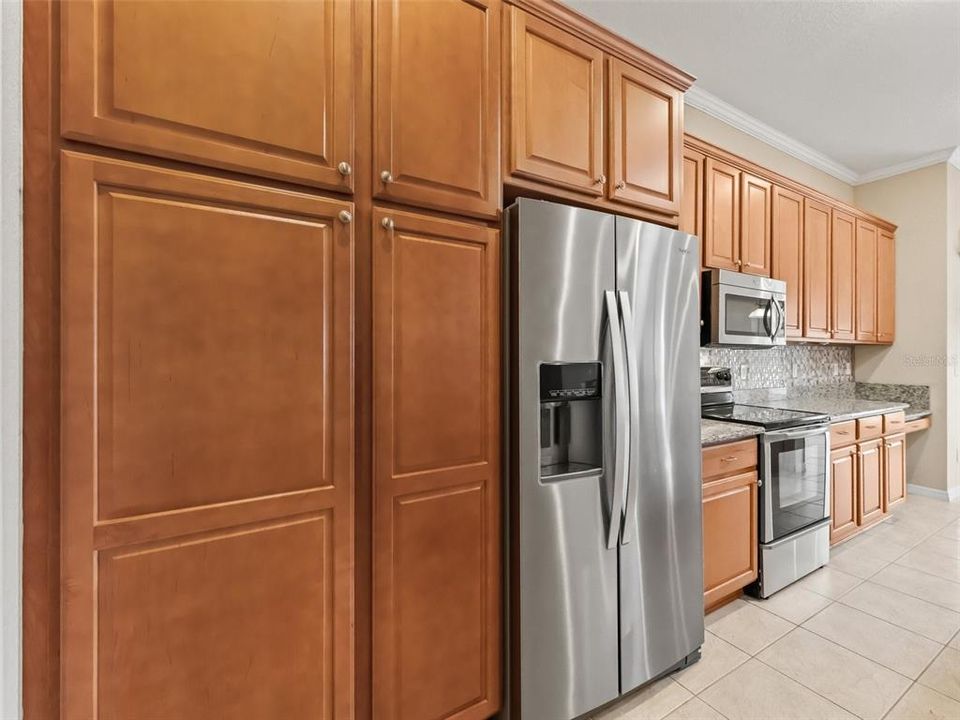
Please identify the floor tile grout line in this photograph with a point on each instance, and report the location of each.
(939, 607)
(897, 701)
(929, 664)
(823, 697)
(910, 567)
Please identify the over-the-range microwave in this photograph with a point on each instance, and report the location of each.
(741, 310)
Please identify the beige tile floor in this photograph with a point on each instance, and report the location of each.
(876, 634)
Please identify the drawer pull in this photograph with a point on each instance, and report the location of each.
(729, 458)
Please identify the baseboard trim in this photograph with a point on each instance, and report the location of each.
(953, 495)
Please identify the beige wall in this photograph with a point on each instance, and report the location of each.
(926, 263)
(706, 127)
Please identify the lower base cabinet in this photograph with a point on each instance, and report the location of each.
(436, 475)
(844, 498)
(730, 530)
(895, 469)
(870, 474)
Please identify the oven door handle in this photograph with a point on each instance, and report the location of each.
(776, 435)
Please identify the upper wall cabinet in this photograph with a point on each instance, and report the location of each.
(886, 287)
(555, 106)
(436, 98)
(843, 315)
(816, 269)
(644, 129)
(756, 197)
(866, 282)
(787, 254)
(721, 215)
(691, 197)
(261, 88)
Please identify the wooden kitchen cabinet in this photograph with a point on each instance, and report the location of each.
(844, 276)
(556, 133)
(436, 479)
(895, 469)
(816, 269)
(261, 88)
(886, 287)
(870, 507)
(866, 286)
(756, 198)
(721, 215)
(691, 198)
(787, 254)
(844, 494)
(645, 123)
(207, 531)
(436, 99)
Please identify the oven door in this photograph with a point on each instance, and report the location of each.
(795, 489)
(744, 316)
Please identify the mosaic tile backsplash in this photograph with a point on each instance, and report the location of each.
(792, 366)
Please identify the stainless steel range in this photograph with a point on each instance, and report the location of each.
(794, 510)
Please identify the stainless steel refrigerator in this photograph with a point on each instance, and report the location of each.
(606, 581)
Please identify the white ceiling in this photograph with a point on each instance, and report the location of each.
(861, 89)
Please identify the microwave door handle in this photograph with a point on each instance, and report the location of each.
(767, 317)
(633, 470)
(621, 459)
(781, 318)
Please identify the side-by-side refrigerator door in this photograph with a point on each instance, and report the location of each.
(661, 556)
(565, 280)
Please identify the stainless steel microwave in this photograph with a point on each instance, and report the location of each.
(740, 310)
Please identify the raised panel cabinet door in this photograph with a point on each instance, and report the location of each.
(729, 535)
(721, 216)
(691, 196)
(436, 99)
(870, 482)
(436, 487)
(843, 493)
(816, 269)
(787, 254)
(555, 107)
(843, 277)
(886, 287)
(646, 139)
(265, 88)
(895, 469)
(207, 443)
(756, 198)
(866, 298)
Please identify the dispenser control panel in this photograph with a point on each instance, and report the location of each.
(569, 381)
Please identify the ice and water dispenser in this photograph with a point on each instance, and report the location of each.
(571, 414)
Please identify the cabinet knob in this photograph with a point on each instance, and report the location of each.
(621, 185)
(387, 223)
(601, 180)
(345, 217)
(739, 263)
(386, 176)
(344, 168)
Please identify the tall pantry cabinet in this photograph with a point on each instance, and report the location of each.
(279, 302)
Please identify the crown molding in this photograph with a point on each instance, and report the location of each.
(712, 105)
(727, 113)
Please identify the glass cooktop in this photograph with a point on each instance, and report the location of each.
(768, 418)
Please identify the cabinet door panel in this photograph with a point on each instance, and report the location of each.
(556, 106)
(843, 493)
(870, 473)
(756, 201)
(645, 139)
(729, 535)
(787, 254)
(886, 287)
(816, 269)
(691, 198)
(436, 534)
(843, 277)
(721, 216)
(437, 104)
(265, 88)
(866, 282)
(895, 469)
(207, 440)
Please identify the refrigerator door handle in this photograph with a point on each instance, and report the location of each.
(633, 380)
(621, 458)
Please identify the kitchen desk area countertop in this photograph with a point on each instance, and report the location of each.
(716, 432)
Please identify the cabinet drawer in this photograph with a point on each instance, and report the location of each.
(729, 459)
(870, 427)
(844, 433)
(894, 422)
(918, 424)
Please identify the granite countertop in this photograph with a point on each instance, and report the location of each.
(838, 408)
(715, 432)
(914, 412)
